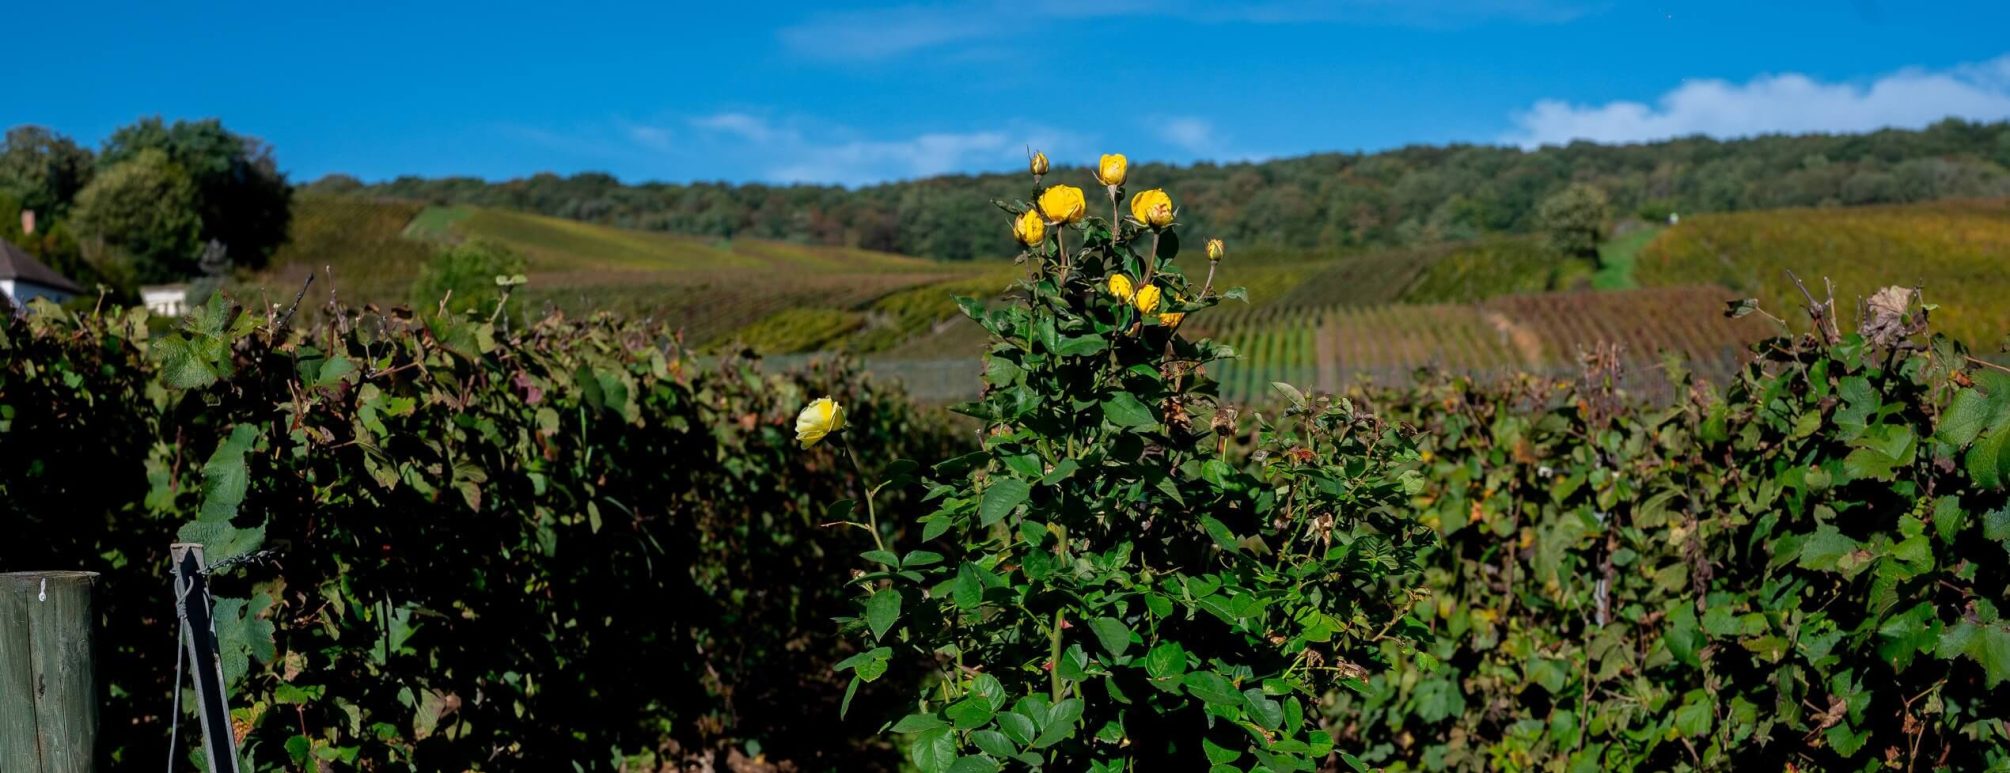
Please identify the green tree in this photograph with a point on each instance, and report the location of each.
(1574, 219)
(43, 170)
(243, 200)
(146, 208)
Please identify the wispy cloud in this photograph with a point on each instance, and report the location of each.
(883, 33)
(1199, 137)
(806, 151)
(1785, 103)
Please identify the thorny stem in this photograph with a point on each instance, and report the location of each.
(871, 515)
(1054, 655)
(1208, 286)
(1985, 363)
(1151, 260)
(1061, 243)
(1116, 222)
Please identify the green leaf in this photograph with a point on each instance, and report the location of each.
(1988, 644)
(1212, 688)
(971, 712)
(221, 541)
(1125, 410)
(1265, 710)
(968, 587)
(915, 723)
(1988, 462)
(1000, 498)
(1112, 634)
(242, 633)
(1683, 638)
(881, 611)
(1059, 724)
(1826, 549)
(225, 477)
(1166, 660)
(934, 750)
(973, 765)
(868, 665)
(987, 688)
(994, 743)
(1966, 416)
(1694, 718)
(1905, 635)
(1017, 726)
(1081, 346)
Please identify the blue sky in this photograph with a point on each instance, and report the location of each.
(854, 93)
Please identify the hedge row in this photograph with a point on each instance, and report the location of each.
(486, 550)
(1804, 568)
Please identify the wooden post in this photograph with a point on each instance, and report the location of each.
(191, 588)
(48, 689)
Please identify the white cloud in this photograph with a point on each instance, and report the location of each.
(1195, 135)
(882, 33)
(802, 151)
(1786, 103)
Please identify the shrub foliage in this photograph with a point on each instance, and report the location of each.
(1806, 568)
(1101, 587)
(492, 552)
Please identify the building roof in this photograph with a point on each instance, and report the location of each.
(17, 264)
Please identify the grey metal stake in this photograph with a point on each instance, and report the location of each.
(191, 588)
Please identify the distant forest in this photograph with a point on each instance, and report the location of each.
(1328, 201)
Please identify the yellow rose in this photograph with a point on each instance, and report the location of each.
(1037, 164)
(1029, 228)
(1171, 318)
(1063, 204)
(1120, 286)
(821, 417)
(1153, 208)
(1111, 169)
(1215, 249)
(1147, 298)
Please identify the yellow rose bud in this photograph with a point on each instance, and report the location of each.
(1171, 318)
(1120, 286)
(1153, 208)
(1147, 298)
(1215, 249)
(1112, 168)
(1063, 204)
(820, 418)
(1037, 163)
(1029, 228)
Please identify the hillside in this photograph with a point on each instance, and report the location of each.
(1957, 252)
(1327, 201)
(782, 296)
(1322, 318)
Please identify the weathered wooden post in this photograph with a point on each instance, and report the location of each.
(48, 688)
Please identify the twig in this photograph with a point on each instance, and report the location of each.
(1985, 363)
(288, 316)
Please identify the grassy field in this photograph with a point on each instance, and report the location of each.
(1493, 305)
(1957, 252)
(775, 297)
(1543, 332)
(356, 246)
(1617, 256)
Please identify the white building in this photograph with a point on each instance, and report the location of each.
(165, 300)
(23, 279)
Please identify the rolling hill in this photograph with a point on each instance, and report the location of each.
(1488, 306)
(1957, 252)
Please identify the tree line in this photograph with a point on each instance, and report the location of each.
(1327, 201)
(157, 202)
